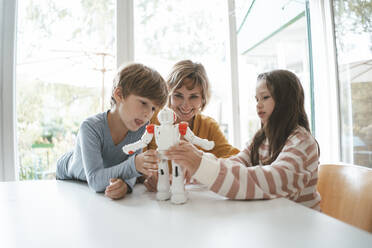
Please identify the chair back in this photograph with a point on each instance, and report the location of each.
(346, 192)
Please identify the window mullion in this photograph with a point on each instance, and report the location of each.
(124, 32)
(7, 112)
(233, 66)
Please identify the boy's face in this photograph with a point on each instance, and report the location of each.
(135, 111)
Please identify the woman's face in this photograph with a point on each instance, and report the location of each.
(186, 103)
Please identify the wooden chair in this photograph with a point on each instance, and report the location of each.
(346, 192)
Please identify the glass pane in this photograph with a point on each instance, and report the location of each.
(65, 58)
(353, 30)
(264, 44)
(168, 31)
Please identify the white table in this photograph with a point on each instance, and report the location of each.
(68, 214)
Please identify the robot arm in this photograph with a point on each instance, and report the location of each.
(191, 137)
(143, 142)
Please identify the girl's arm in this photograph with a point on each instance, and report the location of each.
(243, 157)
(286, 176)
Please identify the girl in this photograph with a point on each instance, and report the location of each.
(281, 160)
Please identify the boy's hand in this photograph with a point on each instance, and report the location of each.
(147, 162)
(117, 189)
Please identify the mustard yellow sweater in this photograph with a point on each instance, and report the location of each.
(207, 128)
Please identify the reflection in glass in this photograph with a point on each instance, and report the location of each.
(353, 30)
(268, 39)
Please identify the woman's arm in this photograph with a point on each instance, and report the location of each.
(222, 148)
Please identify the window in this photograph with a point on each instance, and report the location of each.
(63, 75)
(268, 39)
(353, 31)
(168, 31)
(65, 62)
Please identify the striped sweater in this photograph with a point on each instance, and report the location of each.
(293, 174)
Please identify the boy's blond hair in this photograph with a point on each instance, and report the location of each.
(143, 81)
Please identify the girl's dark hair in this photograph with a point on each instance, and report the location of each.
(289, 112)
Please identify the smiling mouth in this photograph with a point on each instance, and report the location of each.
(260, 114)
(185, 113)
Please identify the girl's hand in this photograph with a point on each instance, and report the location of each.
(186, 155)
(117, 189)
(147, 162)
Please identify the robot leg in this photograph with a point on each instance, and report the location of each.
(178, 186)
(163, 181)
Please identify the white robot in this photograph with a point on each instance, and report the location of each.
(167, 135)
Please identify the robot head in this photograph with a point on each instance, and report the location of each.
(166, 116)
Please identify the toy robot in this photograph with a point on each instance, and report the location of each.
(167, 135)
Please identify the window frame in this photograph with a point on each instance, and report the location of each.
(326, 88)
(8, 143)
(124, 34)
(232, 58)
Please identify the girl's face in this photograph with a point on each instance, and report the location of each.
(186, 103)
(265, 102)
(135, 111)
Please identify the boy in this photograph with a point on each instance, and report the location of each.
(97, 158)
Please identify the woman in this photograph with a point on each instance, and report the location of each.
(189, 94)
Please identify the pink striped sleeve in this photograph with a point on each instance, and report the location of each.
(287, 176)
(243, 157)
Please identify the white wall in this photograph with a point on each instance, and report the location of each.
(7, 90)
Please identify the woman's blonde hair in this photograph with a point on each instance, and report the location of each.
(186, 69)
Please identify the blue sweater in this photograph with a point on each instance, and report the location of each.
(96, 159)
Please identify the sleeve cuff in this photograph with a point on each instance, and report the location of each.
(132, 163)
(130, 183)
(208, 170)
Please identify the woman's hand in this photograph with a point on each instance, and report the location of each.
(186, 155)
(117, 189)
(147, 162)
(187, 176)
(151, 182)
